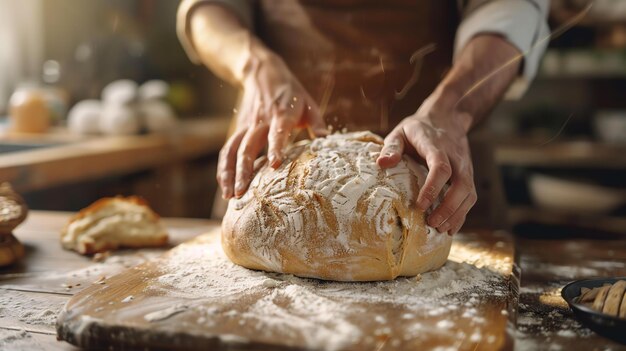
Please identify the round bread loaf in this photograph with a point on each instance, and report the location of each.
(330, 212)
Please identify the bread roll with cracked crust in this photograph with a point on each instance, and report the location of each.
(13, 209)
(111, 223)
(330, 212)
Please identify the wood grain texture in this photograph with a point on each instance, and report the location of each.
(547, 263)
(33, 291)
(103, 314)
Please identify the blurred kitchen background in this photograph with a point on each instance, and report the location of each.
(561, 149)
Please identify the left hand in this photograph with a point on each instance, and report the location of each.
(437, 132)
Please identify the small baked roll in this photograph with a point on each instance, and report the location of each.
(110, 223)
(13, 209)
(11, 250)
(330, 212)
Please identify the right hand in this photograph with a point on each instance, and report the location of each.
(274, 103)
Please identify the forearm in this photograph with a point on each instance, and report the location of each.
(224, 44)
(479, 78)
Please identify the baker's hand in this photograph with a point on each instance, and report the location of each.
(274, 103)
(438, 134)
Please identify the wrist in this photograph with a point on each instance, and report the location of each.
(257, 55)
(450, 99)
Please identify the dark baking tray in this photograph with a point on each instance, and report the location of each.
(608, 326)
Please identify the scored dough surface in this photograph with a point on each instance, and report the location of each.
(330, 212)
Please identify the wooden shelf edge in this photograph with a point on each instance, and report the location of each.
(521, 214)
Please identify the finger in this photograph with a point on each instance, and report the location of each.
(455, 222)
(314, 118)
(453, 198)
(227, 162)
(278, 137)
(251, 145)
(439, 171)
(228, 155)
(286, 110)
(392, 150)
(462, 186)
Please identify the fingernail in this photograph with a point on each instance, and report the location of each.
(435, 221)
(274, 160)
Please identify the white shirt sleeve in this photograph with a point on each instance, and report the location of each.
(241, 8)
(522, 22)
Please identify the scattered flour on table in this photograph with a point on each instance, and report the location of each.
(607, 264)
(15, 340)
(164, 314)
(24, 308)
(566, 333)
(19, 309)
(559, 271)
(548, 325)
(9, 336)
(320, 312)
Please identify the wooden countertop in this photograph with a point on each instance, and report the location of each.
(78, 159)
(34, 291)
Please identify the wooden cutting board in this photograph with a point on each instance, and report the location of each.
(194, 298)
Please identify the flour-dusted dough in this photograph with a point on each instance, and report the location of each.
(330, 212)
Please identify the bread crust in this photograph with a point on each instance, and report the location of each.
(14, 209)
(144, 231)
(330, 212)
(106, 201)
(11, 250)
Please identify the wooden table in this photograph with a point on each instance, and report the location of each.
(544, 320)
(50, 275)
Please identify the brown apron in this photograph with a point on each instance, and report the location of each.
(370, 63)
(358, 52)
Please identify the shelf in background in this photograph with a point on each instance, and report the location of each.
(591, 222)
(104, 156)
(583, 64)
(561, 154)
